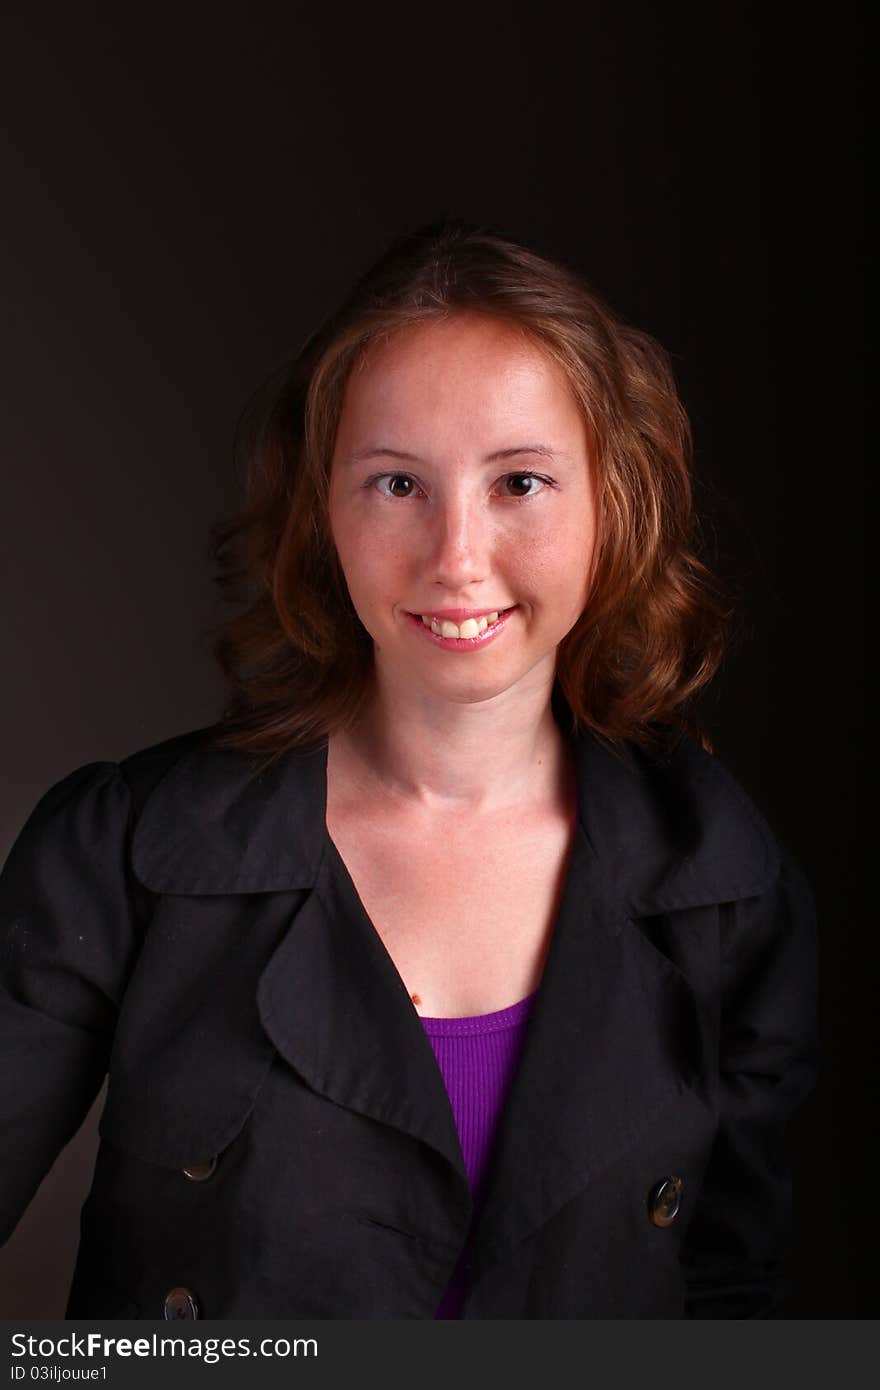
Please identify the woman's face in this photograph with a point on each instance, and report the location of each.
(462, 486)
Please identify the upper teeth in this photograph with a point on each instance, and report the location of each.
(471, 627)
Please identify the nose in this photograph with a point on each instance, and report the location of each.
(459, 545)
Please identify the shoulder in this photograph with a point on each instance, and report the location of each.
(96, 804)
(144, 769)
(674, 825)
(192, 818)
(216, 820)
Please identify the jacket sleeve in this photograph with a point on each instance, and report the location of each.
(736, 1250)
(67, 937)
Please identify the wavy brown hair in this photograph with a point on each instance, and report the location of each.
(652, 635)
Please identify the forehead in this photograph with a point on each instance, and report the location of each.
(467, 367)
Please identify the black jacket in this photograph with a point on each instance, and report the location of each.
(277, 1139)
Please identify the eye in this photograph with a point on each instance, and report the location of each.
(519, 478)
(399, 485)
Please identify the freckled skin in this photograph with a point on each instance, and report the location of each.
(451, 394)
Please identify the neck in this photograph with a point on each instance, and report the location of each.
(439, 756)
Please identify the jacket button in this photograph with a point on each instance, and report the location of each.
(180, 1303)
(664, 1201)
(200, 1172)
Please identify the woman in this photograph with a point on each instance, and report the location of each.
(449, 975)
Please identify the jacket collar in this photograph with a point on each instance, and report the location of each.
(671, 832)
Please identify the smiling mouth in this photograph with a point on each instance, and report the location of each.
(471, 627)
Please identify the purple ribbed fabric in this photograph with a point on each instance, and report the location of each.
(478, 1058)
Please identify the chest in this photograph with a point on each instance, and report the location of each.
(465, 912)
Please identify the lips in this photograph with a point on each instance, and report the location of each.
(466, 636)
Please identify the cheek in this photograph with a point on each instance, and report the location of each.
(558, 559)
(372, 565)
(361, 530)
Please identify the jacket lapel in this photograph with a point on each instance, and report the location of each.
(336, 1008)
(615, 1033)
(603, 1055)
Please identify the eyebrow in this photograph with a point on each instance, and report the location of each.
(382, 451)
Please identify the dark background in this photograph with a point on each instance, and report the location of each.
(188, 189)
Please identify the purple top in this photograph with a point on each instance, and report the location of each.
(478, 1058)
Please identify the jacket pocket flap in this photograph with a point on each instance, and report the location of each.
(182, 1121)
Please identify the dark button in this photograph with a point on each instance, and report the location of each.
(180, 1303)
(200, 1172)
(664, 1201)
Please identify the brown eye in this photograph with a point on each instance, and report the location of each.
(395, 485)
(521, 484)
